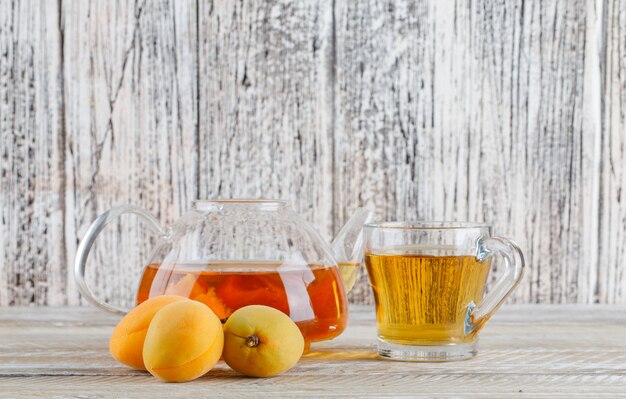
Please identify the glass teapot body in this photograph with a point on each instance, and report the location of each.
(232, 253)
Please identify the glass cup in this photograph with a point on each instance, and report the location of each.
(429, 283)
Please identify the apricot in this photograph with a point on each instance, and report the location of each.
(189, 286)
(126, 343)
(210, 299)
(260, 341)
(184, 341)
(195, 288)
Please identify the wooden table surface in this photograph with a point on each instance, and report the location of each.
(548, 351)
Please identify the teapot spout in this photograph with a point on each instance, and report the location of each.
(348, 247)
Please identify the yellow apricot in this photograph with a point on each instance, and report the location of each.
(184, 341)
(260, 341)
(126, 343)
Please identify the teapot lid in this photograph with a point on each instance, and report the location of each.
(266, 204)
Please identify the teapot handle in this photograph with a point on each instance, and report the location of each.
(90, 237)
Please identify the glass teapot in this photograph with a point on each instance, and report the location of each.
(233, 253)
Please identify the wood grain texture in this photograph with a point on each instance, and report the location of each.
(611, 285)
(265, 103)
(526, 351)
(32, 253)
(510, 112)
(455, 111)
(131, 119)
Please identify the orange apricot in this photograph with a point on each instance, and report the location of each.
(260, 341)
(127, 340)
(184, 341)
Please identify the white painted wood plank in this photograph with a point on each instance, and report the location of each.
(131, 117)
(414, 386)
(32, 253)
(611, 287)
(456, 111)
(545, 351)
(265, 103)
(511, 113)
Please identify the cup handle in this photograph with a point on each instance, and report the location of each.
(90, 237)
(513, 259)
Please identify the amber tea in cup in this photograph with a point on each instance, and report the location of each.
(434, 290)
(429, 284)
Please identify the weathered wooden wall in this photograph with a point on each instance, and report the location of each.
(512, 112)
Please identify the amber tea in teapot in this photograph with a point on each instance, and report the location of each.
(313, 297)
(233, 253)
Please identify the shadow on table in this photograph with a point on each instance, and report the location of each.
(314, 358)
(343, 354)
